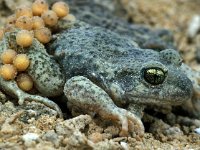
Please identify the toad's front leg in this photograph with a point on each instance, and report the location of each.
(84, 94)
(12, 88)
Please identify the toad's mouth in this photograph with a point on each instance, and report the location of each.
(170, 94)
(157, 99)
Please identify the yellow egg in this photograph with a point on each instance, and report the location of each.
(11, 19)
(70, 17)
(9, 28)
(43, 35)
(61, 9)
(21, 62)
(7, 56)
(50, 18)
(24, 38)
(39, 7)
(23, 11)
(24, 22)
(24, 82)
(8, 71)
(37, 22)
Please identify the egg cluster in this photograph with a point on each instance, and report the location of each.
(35, 21)
(38, 21)
(14, 64)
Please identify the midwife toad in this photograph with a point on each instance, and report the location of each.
(42, 68)
(105, 74)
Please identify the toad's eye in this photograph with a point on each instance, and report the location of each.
(154, 76)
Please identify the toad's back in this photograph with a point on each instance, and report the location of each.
(116, 63)
(86, 50)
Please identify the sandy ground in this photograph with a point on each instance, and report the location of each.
(35, 126)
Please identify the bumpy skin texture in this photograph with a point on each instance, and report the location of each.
(45, 72)
(106, 13)
(106, 58)
(104, 74)
(105, 71)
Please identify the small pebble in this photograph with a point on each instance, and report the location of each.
(197, 130)
(193, 26)
(95, 137)
(30, 139)
(124, 145)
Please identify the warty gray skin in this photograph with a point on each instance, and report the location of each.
(42, 68)
(108, 14)
(105, 72)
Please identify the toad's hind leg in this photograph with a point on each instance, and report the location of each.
(84, 94)
(12, 88)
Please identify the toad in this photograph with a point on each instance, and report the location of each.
(111, 76)
(102, 73)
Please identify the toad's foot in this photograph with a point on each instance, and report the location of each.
(12, 88)
(135, 126)
(193, 106)
(84, 94)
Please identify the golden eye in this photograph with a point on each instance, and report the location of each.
(154, 75)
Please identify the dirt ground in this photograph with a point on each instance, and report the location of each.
(34, 126)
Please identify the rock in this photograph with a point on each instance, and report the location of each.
(52, 137)
(197, 130)
(193, 27)
(67, 127)
(30, 139)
